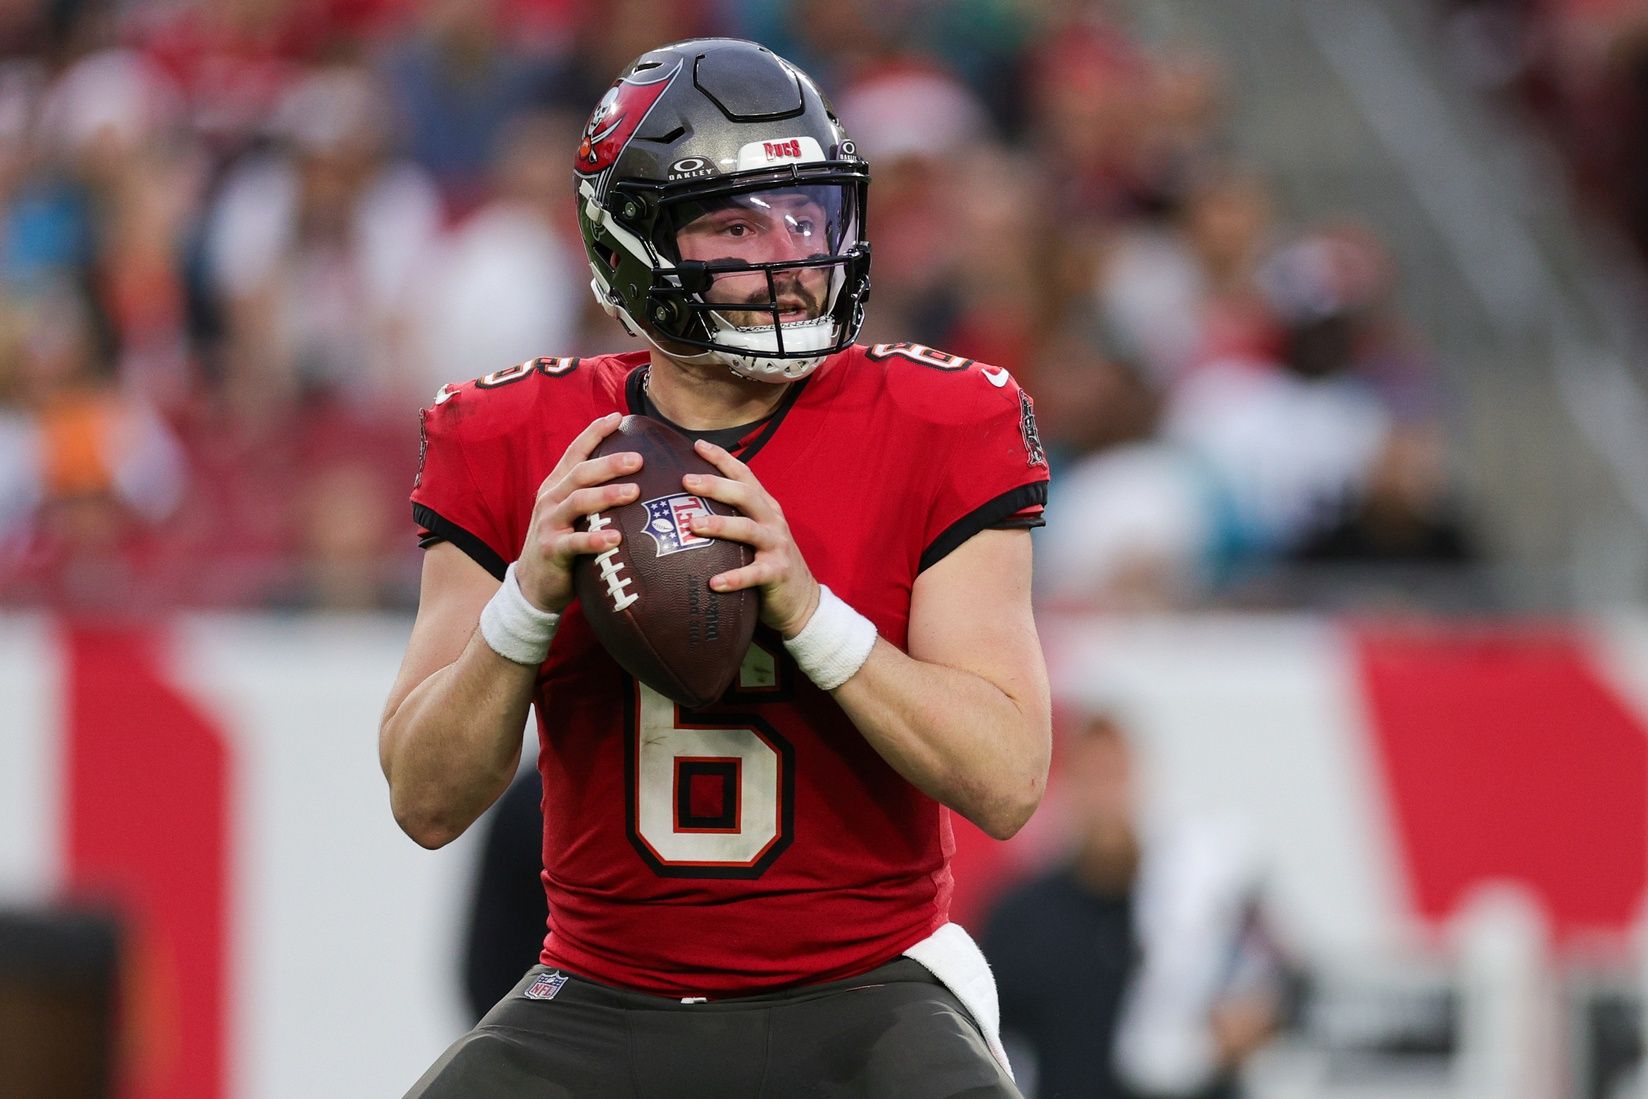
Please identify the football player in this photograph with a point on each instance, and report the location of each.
(750, 898)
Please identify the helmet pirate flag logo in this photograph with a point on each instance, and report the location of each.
(618, 116)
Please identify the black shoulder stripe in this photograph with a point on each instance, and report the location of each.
(442, 529)
(785, 403)
(989, 514)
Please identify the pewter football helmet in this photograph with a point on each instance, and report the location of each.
(709, 127)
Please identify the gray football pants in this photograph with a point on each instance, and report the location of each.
(893, 1033)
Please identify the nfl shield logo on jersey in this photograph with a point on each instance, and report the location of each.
(669, 521)
(545, 985)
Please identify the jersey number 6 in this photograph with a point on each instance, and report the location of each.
(707, 798)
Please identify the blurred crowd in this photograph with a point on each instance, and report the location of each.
(1581, 69)
(243, 241)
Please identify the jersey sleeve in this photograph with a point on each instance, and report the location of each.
(989, 469)
(448, 501)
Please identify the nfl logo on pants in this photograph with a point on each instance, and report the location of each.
(545, 986)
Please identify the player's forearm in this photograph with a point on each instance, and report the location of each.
(954, 735)
(453, 744)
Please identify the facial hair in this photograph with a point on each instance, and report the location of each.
(810, 304)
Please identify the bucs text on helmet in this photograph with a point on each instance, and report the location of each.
(722, 210)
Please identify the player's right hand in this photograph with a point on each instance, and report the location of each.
(576, 487)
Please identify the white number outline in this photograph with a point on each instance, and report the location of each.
(919, 353)
(649, 743)
(549, 367)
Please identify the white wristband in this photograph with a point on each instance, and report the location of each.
(835, 642)
(513, 627)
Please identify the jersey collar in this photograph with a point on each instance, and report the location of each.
(743, 441)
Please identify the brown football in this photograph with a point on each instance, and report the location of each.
(649, 598)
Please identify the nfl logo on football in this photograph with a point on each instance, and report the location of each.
(669, 521)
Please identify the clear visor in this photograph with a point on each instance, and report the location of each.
(774, 224)
(769, 256)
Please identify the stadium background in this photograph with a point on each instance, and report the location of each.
(1334, 313)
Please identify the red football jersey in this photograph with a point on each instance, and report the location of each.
(761, 841)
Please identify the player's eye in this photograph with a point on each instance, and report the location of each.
(803, 226)
(722, 224)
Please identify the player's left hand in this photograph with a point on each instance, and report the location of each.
(789, 593)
